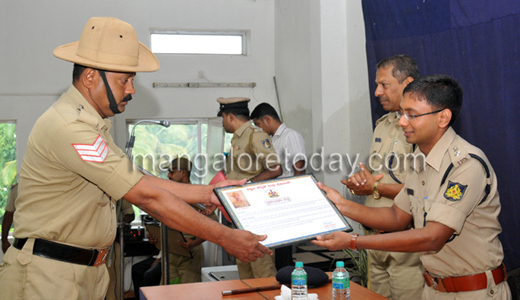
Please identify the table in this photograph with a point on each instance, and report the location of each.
(213, 290)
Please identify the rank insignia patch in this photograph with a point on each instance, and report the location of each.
(266, 143)
(95, 152)
(455, 191)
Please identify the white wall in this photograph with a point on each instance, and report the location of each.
(322, 79)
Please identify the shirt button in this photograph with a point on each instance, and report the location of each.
(423, 183)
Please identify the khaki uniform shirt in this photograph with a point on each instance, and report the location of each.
(475, 246)
(388, 141)
(71, 176)
(242, 162)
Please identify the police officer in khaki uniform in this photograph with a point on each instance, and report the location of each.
(184, 269)
(394, 275)
(251, 157)
(451, 198)
(73, 174)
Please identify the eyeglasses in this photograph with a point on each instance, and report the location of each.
(411, 117)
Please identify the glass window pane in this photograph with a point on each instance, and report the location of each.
(196, 44)
(156, 146)
(7, 162)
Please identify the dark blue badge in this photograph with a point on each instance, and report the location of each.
(266, 143)
(454, 191)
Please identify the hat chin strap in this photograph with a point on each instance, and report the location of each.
(110, 96)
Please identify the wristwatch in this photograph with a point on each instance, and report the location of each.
(376, 194)
(353, 238)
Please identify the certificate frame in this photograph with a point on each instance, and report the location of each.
(288, 210)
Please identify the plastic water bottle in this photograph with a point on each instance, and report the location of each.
(340, 282)
(299, 282)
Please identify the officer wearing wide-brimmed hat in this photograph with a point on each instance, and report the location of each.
(253, 157)
(73, 174)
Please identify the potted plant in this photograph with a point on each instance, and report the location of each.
(358, 266)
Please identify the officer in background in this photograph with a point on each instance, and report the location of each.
(8, 217)
(73, 174)
(450, 196)
(114, 270)
(251, 157)
(394, 275)
(184, 269)
(287, 142)
(290, 146)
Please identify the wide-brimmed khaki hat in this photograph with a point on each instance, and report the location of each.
(109, 44)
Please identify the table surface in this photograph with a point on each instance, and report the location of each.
(213, 290)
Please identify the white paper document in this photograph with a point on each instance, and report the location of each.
(288, 210)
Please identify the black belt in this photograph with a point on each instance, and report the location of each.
(65, 253)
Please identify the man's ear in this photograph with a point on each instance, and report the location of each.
(267, 120)
(407, 81)
(87, 78)
(445, 118)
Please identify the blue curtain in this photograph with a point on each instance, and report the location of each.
(478, 43)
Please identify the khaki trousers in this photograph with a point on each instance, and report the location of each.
(31, 277)
(185, 268)
(261, 268)
(395, 275)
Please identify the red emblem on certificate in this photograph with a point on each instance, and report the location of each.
(95, 152)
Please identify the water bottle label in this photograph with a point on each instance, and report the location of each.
(338, 285)
(299, 282)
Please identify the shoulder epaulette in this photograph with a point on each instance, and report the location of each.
(381, 119)
(458, 155)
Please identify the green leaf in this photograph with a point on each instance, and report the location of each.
(9, 173)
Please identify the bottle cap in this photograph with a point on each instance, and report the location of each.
(299, 264)
(340, 264)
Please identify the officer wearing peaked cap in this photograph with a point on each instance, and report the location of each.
(251, 157)
(73, 174)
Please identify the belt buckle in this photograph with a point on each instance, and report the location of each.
(101, 257)
(436, 282)
(433, 283)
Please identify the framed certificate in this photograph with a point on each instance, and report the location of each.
(288, 210)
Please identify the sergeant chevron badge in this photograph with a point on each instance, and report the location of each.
(95, 152)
